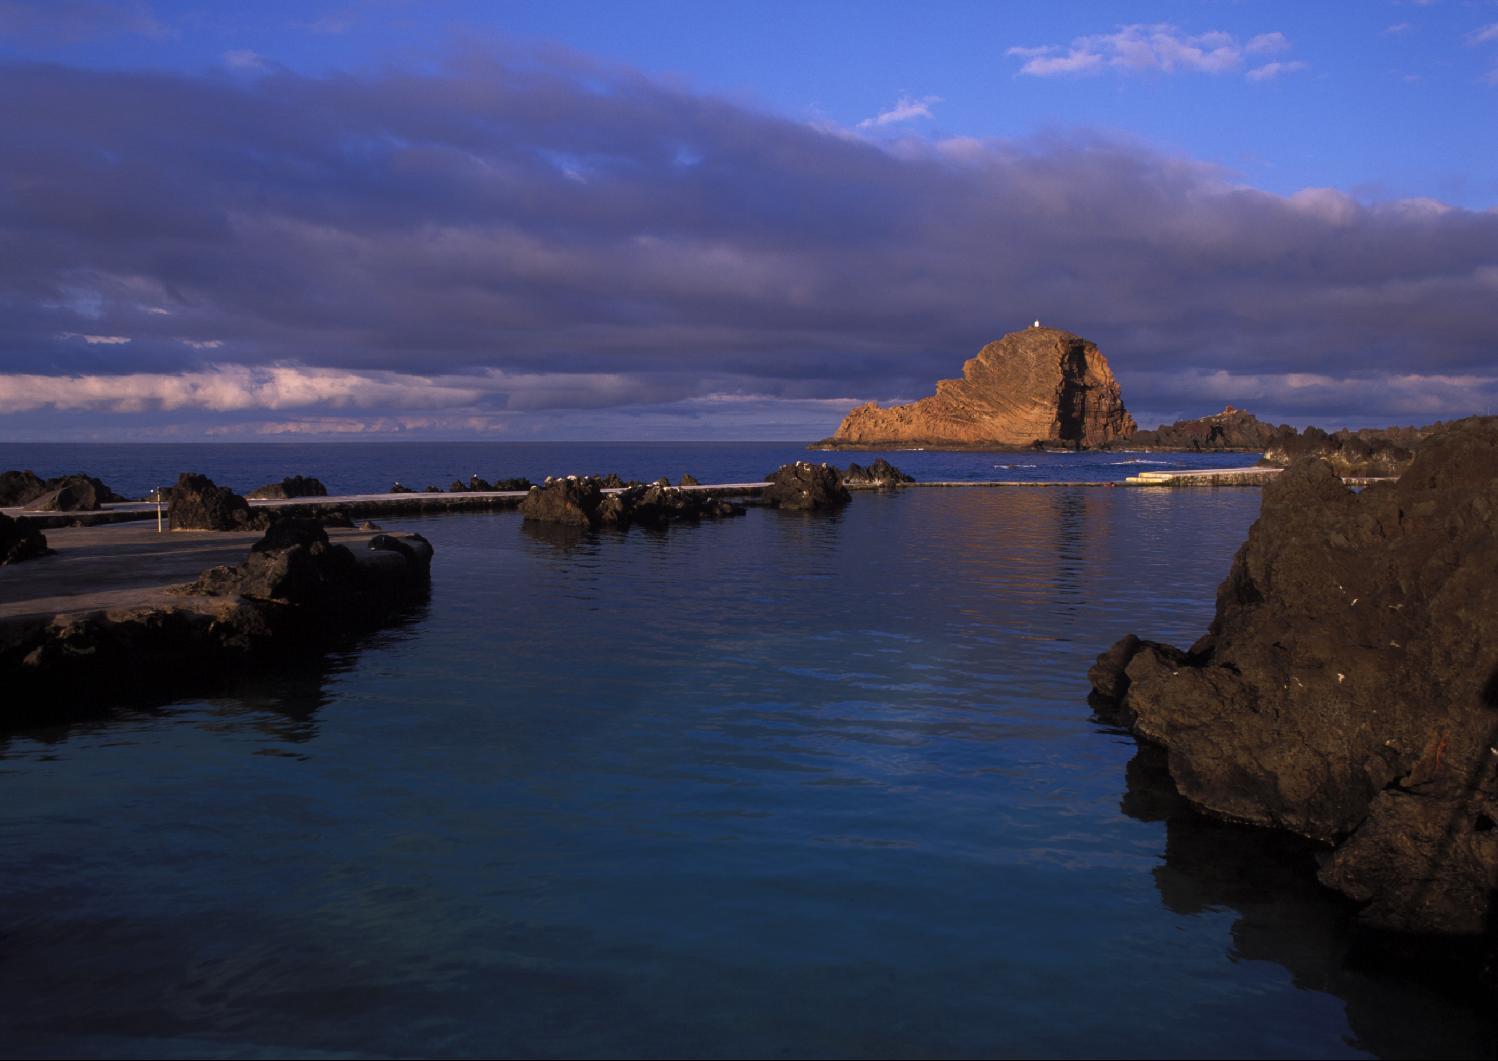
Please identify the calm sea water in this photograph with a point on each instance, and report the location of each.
(779, 785)
(359, 467)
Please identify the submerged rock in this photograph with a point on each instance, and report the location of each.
(805, 487)
(20, 541)
(880, 475)
(1039, 385)
(294, 486)
(198, 503)
(1347, 689)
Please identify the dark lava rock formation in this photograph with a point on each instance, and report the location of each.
(1386, 453)
(198, 503)
(1347, 689)
(805, 487)
(588, 503)
(65, 493)
(1231, 429)
(294, 486)
(881, 475)
(295, 594)
(1036, 386)
(20, 541)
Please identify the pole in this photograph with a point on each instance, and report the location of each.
(158, 509)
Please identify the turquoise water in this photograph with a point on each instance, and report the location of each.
(779, 785)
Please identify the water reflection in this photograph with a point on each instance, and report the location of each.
(1267, 879)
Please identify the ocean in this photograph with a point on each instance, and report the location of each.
(361, 467)
(813, 785)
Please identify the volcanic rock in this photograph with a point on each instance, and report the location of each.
(1231, 429)
(585, 503)
(295, 486)
(1347, 689)
(18, 487)
(197, 503)
(1040, 385)
(1386, 453)
(65, 493)
(20, 541)
(880, 475)
(805, 487)
(688, 479)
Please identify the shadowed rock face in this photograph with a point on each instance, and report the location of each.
(805, 487)
(20, 541)
(198, 503)
(1230, 429)
(1037, 385)
(584, 504)
(1348, 687)
(293, 486)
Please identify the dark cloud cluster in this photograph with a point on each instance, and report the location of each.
(552, 233)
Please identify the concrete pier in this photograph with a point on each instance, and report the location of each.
(355, 506)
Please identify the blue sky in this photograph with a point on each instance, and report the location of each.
(1287, 206)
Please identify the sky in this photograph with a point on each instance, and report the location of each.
(667, 220)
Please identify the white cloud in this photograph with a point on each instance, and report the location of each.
(1484, 34)
(1267, 42)
(202, 344)
(904, 110)
(1159, 48)
(97, 340)
(1397, 28)
(228, 388)
(1273, 70)
(244, 59)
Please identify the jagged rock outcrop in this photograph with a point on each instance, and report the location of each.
(1385, 453)
(18, 487)
(1040, 385)
(198, 503)
(296, 563)
(1347, 689)
(688, 479)
(881, 475)
(805, 487)
(1231, 429)
(64, 493)
(586, 503)
(20, 541)
(296, 593)
(292, 486)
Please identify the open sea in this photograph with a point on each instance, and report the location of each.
(784, 785)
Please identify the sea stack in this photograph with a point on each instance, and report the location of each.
(1038, 385)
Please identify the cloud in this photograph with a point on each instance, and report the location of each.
(244, 59)
(1484, 34)
(1396, 28)
(1273, 70)
(1157, 48)
(96, 340)
(403, 242)
(76, 21)
(904, 110)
